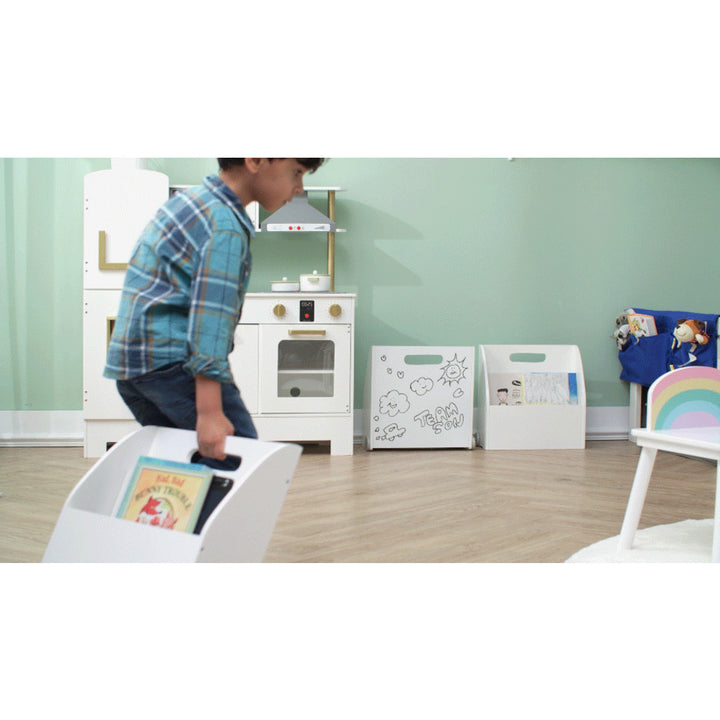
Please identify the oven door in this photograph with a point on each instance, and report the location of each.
(304, 368)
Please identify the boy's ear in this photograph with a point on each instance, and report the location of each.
(253, 164)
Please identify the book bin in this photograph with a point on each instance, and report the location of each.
(237, 530)
(419, 397)
(531, 397)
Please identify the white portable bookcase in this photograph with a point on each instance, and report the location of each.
(238, 530)
(529, 427)
(419, 397)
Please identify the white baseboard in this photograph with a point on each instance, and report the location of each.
(607, 423)
(602, 423)
(41, 428)
(65, 427)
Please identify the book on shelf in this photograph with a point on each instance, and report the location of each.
(165, 493)
(534, 388)
(641, 325)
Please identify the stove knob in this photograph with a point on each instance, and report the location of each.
(335, 310)
(279, 311)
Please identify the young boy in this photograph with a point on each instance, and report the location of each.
(182, 299)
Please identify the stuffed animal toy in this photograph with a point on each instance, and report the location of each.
(622, 328)
(690, 331)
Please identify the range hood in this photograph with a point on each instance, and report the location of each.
(298, 216)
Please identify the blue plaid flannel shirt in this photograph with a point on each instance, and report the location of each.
(184, 286)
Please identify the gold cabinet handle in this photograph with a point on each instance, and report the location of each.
(110, 325)
(103, 264)
(306, 332)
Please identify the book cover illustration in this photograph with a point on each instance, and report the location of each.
(535, 388)
(506, 389)
(166, 494)
(641, 325)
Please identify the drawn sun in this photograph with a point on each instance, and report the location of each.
(454, 371)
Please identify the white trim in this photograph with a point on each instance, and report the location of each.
(65, 427)
(602, 423)
(607, 423)
(41, 428)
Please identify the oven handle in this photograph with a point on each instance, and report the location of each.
(306, 332)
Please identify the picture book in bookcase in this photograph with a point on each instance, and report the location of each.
(166, 494)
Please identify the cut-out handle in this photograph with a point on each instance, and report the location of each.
(230, 463)
(528, 357)
(423, 359)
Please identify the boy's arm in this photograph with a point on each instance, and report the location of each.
(212, 426)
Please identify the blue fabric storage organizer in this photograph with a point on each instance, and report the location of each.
(645, 359)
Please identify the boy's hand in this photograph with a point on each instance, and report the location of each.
(212, 429)
(212, 426)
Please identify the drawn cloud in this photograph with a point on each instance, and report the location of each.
(394, 402)
(422, 385)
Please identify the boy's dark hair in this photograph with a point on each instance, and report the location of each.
(312, 164)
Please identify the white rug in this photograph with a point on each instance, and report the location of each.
(689, 541)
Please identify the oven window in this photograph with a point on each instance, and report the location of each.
(306, 368)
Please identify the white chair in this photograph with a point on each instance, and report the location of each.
(238, 530)
(683, 417)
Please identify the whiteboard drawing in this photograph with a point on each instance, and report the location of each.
(391, 432)
(444, 419)
(420, 396)
(394, 402)
(453, 371)
(422, 385)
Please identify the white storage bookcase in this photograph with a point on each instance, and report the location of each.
(529, 426)
(238, 530)
(419, 397)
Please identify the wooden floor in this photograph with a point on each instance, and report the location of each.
(429, 506)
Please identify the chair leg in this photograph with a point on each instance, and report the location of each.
(716, 525)
(637, 497)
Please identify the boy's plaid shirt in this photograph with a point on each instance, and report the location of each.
(184, 286)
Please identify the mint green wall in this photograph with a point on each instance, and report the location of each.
(439, 251)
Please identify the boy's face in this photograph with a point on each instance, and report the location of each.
(277, 182)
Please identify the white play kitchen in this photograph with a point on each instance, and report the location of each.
(294, 346)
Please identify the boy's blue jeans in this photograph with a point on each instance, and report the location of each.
(166, 397)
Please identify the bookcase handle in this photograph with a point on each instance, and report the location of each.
(103, 264)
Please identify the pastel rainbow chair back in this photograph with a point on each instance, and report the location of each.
(685, 398)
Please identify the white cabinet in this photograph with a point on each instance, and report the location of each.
(118, 203)
(101, 400)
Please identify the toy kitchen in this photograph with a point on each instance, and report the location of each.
(294, 346)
